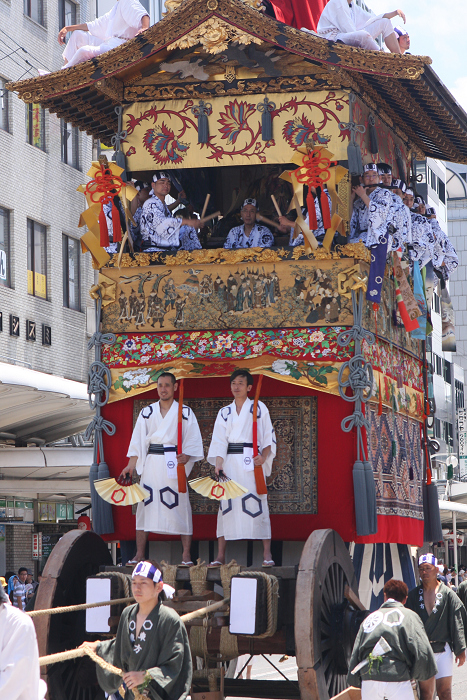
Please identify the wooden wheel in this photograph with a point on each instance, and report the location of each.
(76, 556)
(326, 624)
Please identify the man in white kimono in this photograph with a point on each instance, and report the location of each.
(385, 171)
(445, 258)
(153, 453)
(345, 21)
(160, 229)
(423, 239)
(124, 21)
(231, 451)
(19, 656)
(401, 233)
(250, 234)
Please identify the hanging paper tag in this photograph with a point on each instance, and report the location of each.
(248, 463)
(170, 454)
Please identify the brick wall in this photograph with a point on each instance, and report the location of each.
(18, 547)
(39, 186)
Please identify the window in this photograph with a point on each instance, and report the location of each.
(437, 428)
(447, 433)
(71, 281)
(4, 247)
(70, 143)
(442, 191)
(438, 364)
(35, 126)
(435, 302)
(34, 10)
(459, 393)
(37, 259)
(4, 106)
(447, 371)
(67, 14)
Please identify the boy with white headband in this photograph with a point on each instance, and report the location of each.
(443, 616)
(151, 646)
(160, 229)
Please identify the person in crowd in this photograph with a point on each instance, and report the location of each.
(151, 645)
(443, 616)
(372, 207)
(385, 172)
(160, 230)
(124, 21)
(19, 591)
(231, 451)
(409, 657)
(153, 453)
(19, 656)
(462, 591)
(345, 21)
(403, 39)
(250, 234)
(319, 233)
(29, 586)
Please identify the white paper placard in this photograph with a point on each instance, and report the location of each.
(98, 590)
(243, 605)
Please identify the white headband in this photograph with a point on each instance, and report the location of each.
(148, 570)
(428, 559)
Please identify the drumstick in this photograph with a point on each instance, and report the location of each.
(274, 201)
(261, 487)
(267, 221)
(181, 474)
(209, 217)
(206, 202)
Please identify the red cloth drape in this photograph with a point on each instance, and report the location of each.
(299, 13)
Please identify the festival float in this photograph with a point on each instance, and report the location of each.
(235, 104)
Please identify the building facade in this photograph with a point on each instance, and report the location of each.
(46, 313)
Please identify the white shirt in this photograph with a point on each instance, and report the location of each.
(341, 18)
(19, 657)
(122, 21)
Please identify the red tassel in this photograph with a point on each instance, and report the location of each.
(326, 214)
(409, 323)
(104, 232)
(261, 488)
(116, 225)
(310, 203)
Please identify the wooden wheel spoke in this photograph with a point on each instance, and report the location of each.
(322, 617)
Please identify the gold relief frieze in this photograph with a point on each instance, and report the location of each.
(141, 93)
(112, 88)
(214, 35)
(232, 257)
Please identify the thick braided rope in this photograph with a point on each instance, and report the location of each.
(124, 578)
(81, 606)
(272, 596)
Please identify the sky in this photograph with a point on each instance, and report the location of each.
(437, 29)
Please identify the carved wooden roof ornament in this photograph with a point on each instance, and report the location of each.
(210, 48)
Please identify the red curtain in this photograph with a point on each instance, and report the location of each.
(299, 13)
(336, 455)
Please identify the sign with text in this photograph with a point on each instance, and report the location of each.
(37, 545)
(462, 438)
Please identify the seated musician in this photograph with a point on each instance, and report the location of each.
(372, 207)
(319, 232)
(250, 234)
(160, 229)
(136, 209)
(385, 171)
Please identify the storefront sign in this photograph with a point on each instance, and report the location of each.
(37, 545)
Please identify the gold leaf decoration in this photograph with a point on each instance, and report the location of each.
(214, 35)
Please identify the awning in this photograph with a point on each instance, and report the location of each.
(45, 472)
(35, 406)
